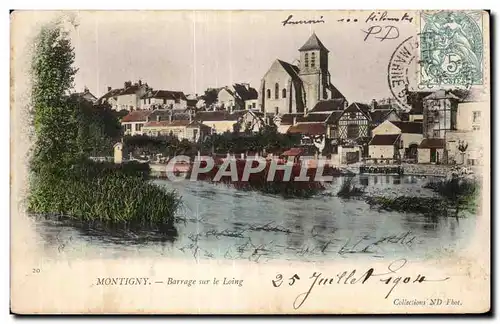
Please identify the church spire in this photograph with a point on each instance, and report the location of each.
(313, 43)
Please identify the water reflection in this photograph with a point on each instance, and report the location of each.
(217, 221)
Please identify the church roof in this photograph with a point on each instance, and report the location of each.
(313, 43)
(291, 69)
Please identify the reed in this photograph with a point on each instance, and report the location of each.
(104, 195)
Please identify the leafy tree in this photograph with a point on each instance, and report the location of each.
(54, 119)
(210, 97)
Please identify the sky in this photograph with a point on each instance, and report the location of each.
(192, 50)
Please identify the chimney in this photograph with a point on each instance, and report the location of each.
(140, 82)
(109, 88)
(373, 104)
(86, 90)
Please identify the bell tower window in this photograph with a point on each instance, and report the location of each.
(313, 59)
(306, 60)
(276, 91)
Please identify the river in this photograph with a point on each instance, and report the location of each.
(219, 222)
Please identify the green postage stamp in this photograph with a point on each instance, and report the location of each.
(451, 51)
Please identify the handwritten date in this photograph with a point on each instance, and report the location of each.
(388, 277)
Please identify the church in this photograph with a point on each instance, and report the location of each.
(296, 88)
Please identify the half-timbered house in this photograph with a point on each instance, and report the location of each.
(353, 126)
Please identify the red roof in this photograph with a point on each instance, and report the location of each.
(308, 129)
(136, 116)
(294, 151)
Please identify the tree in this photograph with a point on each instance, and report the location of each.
(54, 118)
(210, 97)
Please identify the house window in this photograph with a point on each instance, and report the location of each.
(313, 59)
(436, 133)
(177, 100)
(352, 115)
(128, 127)
(476, 116)
(475, 128)
(352, 131)
(164, 101)
(276, 91)
(138, 127)
(283, 93)
(254, 105)
(268, 93)
(306, 60)
(149, 100)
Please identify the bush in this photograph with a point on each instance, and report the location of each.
(423, 205)
(108, 196)
(348, 189)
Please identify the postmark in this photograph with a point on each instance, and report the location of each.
(406, 69)
(451, 51)
(402, 70)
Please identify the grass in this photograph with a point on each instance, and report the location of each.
(106, 196)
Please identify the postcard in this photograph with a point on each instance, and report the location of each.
(250, 162)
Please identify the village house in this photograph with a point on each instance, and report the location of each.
(431, 150)
(288, 88)
(239, 96)
(219, 121)
(440, 118)
(192, 131)
(410, 137)
(126, 98)
(385, 148)
(87, 95)
(134, 122)
(440, 113)
(465, 144)
(382, 112)
(250, 121)
(163, 99)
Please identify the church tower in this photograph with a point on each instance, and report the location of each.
(314, 71)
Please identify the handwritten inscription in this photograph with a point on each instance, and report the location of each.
(289, 21)
(368, 244)
(351, 277)
(381, 32)
(384, 16)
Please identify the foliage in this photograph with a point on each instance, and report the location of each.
(459, 193)
(267, 139)
(68, 129)
(424, 205)
(165, 145)
(210, 97)
(55, 120)
(105, 196)
(348, 189)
